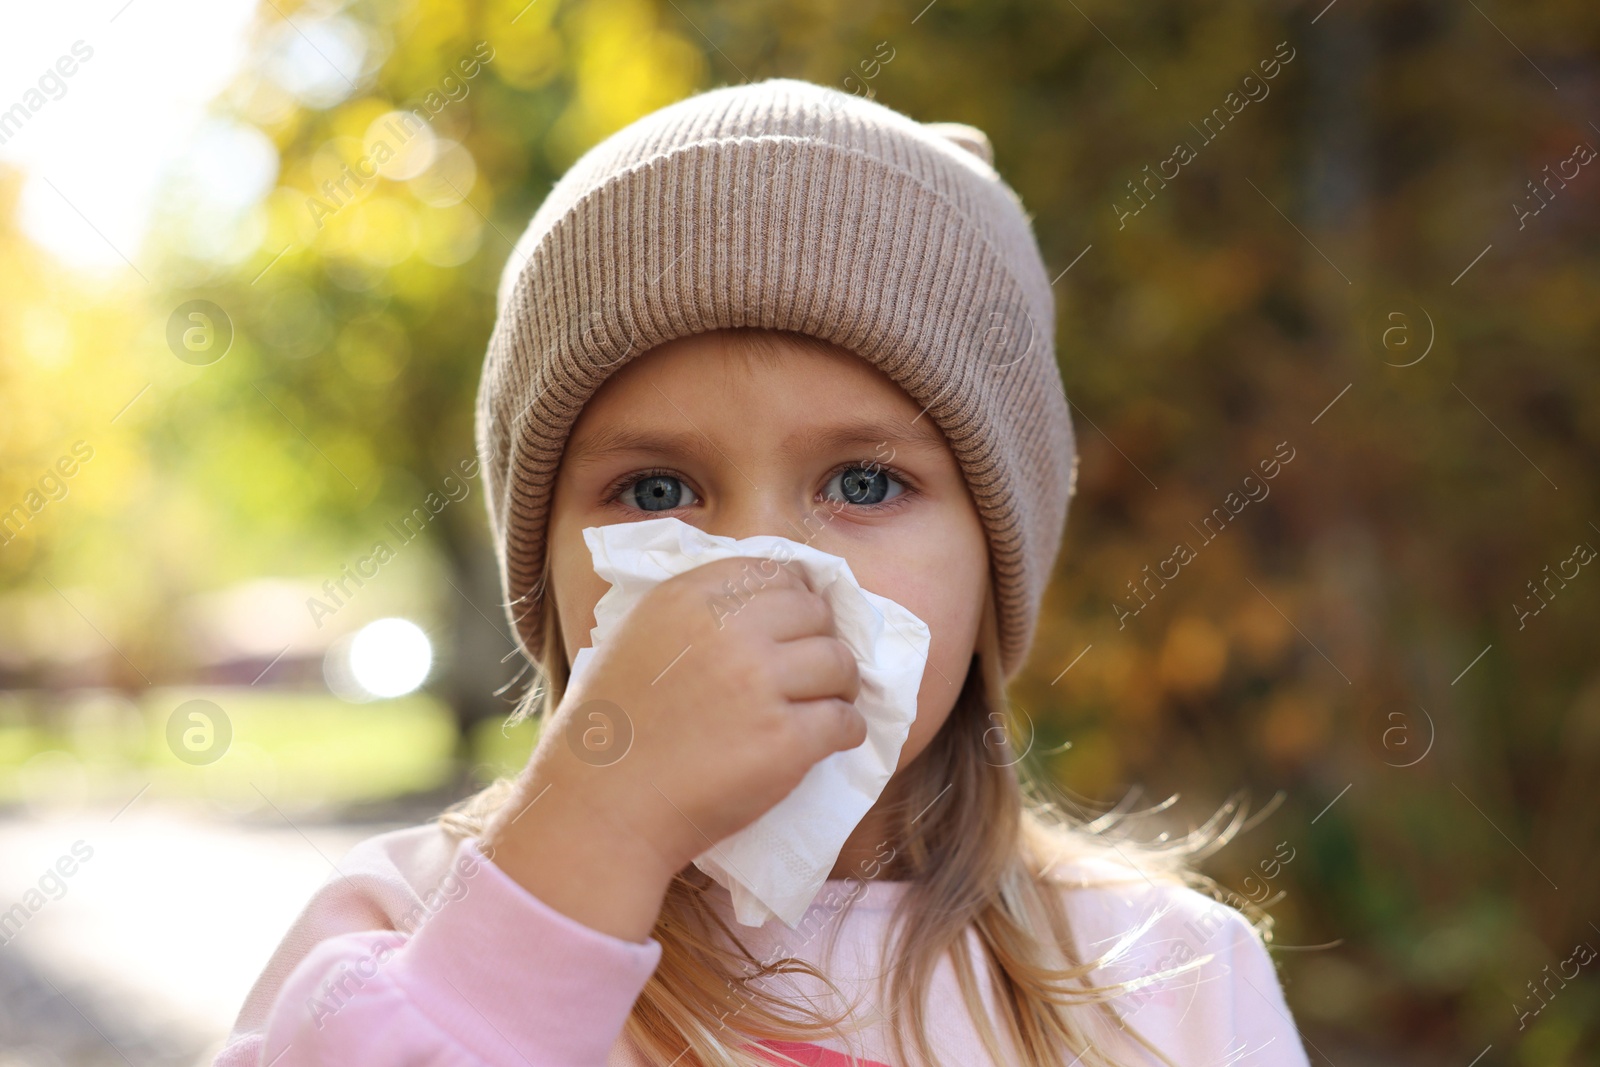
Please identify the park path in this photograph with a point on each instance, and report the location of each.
(144, 953)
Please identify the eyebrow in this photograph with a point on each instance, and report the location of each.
(918, 436)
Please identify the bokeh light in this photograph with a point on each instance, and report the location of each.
(390, 657)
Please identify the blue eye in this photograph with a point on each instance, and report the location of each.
(657, 492)
(863, 485)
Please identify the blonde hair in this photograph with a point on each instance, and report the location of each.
(979, 860)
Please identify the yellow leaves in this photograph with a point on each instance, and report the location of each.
(1258, 631)
(353, 118)
(521, 19)
(527, 49)
(1562, 306)
(1192, 656)
(379, 231)
(449, 236)
(373, 349)
(1185, 291)
(351, 457)
(45, 335)
(264, 103)
(1113, 667)
(1295, 727)
(1147, 316)
(533, 63)
(439, 20)
(346, 202)
(331, 178)
(398, 145)
(449, 178)
(1225, 280)
(383, 231)
(294, 324)
(625, 65)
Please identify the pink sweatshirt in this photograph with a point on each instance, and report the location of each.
(423, 951)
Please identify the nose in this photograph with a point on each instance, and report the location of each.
(765, 510)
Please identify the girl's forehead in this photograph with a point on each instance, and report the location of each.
(717, 401)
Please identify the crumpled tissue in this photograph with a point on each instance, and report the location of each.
(778, 864)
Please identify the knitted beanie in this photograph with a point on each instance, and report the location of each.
(790, 206)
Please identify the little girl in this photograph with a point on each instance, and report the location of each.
(778, 309)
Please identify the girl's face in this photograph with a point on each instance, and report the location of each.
(815, 446)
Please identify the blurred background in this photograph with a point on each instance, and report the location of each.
(1328, 318)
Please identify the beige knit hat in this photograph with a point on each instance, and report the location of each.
(787, 205)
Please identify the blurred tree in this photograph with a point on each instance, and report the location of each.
(1389, 629)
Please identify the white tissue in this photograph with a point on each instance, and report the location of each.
(778, 864)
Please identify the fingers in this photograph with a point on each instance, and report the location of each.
(768, 597)
(787, 615)
(828, 726)
(813, 668)
(751, 574)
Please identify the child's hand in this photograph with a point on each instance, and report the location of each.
(730, 699)
(713, 708)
